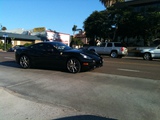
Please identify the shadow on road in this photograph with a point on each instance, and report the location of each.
(10, 64)
(85, 117)
(15, 65)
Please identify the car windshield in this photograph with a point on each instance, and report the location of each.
(61, 47)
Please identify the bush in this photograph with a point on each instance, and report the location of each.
(27, 44)
(77, 41)
(2, 46)
(8, 46)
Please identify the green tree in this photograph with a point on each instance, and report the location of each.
(3, 28)
(76, 41)
(74, 28)
(97, 26)
(128, 23)
(152, 24)
(142, 24)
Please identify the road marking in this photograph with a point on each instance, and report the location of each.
(11, 58)
(20, 83)
(128, 70)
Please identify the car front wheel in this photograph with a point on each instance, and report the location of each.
(147, 56)
(24, 61)
(73, 65)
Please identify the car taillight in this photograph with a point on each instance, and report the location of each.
(122, 48)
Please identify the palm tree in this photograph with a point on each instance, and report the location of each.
(108, 3)
(3, 28)
(74, 29)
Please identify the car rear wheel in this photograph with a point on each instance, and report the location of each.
(147, 56)
(73, 65)
(114, 54)
(24, 61)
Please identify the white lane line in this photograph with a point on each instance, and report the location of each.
(11, 58)
(128, 70)
(20, 83)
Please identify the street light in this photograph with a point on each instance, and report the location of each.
(114, 27)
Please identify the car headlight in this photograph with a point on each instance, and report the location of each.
(85, 56)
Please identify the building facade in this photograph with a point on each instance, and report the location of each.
(18, 39)
(21, 37)
(138, 5)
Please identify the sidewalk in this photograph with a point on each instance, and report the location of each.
(14, 107)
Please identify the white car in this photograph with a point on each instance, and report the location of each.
(151, 53)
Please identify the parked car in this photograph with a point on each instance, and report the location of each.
(57, 54)
(113, 49)
(149, 53)
(13, 49)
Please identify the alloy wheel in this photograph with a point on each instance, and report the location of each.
(24, 61)
(73, 65)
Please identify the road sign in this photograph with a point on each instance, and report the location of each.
(5, 35)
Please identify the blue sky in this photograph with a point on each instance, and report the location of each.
(59, 15)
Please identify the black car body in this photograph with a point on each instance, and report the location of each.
(57, 54)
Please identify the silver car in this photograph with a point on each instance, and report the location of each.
(113, 49)
(151, 53)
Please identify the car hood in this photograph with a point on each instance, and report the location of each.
(84, 51)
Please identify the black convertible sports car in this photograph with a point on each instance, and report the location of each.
(57, 54)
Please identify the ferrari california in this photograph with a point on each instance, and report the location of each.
(57, 54)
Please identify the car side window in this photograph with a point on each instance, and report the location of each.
(33, 46)
(41, 47)
(117, 44)
(109, 45)
(49, 48)
(38, 47)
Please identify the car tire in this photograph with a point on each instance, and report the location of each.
(25, 62)
(147, 56)
(114, 54)
(73, 65)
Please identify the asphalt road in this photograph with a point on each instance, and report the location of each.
(127, 66)
(131, 66)
(123, 89)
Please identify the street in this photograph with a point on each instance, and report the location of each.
(131, 66)
(123, 89)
